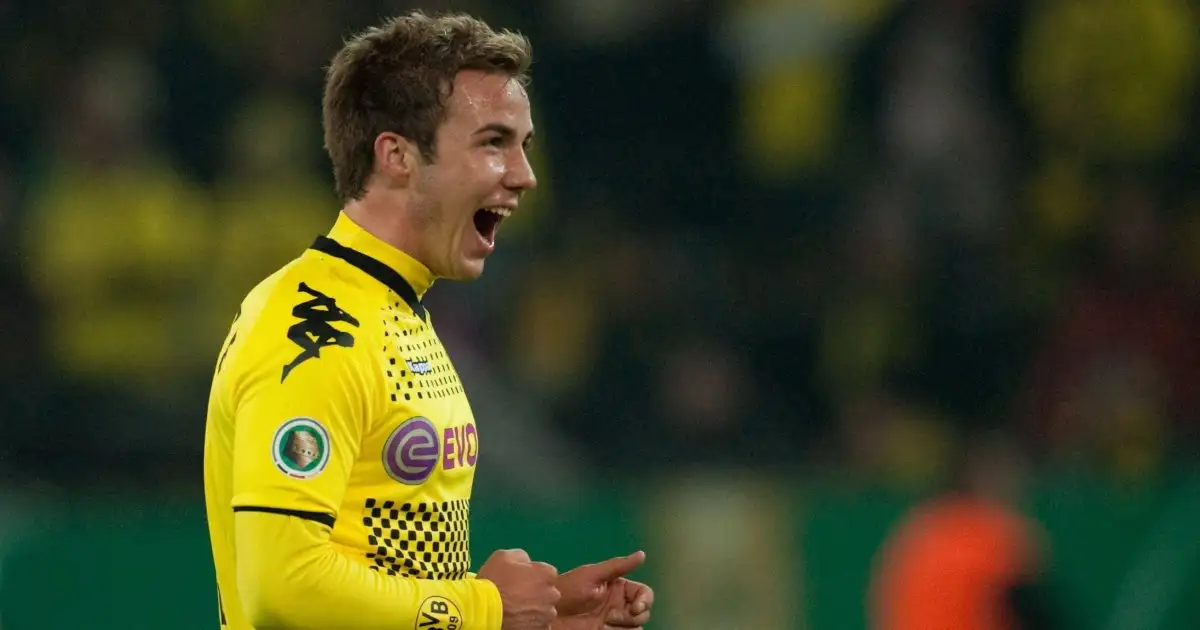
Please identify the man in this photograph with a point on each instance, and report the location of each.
(340, 449)
(967, 558)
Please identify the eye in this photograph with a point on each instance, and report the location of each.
(496, 141)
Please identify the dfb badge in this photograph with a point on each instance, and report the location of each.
(300, 448)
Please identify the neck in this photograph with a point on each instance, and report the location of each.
(387, 220)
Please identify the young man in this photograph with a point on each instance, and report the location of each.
(340, 449)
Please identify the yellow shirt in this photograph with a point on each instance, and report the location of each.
(340, 451)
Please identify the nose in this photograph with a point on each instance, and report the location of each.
(520, 176)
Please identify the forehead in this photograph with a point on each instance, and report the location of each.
(480, 98)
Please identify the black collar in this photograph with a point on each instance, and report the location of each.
(376, 269)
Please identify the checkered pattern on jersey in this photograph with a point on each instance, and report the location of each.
(422, 540)
(418, 366)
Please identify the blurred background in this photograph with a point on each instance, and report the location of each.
(814, 295)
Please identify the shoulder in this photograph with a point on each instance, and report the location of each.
(309, 310)
(310, 277)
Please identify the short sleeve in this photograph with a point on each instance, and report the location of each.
(301, 413)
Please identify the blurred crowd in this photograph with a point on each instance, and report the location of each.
(795, 235)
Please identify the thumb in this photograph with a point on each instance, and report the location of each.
(516, 555)
(616, 567)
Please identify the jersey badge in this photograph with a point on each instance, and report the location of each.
(301, 448)
(438, 613)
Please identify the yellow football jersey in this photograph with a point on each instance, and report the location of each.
(333, 400)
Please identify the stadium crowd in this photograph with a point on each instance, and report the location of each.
(799, 236)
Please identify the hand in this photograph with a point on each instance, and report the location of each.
(599, 597)
(527, 589)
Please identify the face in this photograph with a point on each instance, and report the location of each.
(479, 173)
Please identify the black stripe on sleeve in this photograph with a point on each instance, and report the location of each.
(319, 517)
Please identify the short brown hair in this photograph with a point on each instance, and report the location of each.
(397, 76)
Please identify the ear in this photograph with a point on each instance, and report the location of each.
(395, 158)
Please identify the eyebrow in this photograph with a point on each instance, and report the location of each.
(504, 130)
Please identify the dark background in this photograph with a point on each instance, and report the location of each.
(776, 240)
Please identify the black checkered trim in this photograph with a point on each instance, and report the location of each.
(423, 540)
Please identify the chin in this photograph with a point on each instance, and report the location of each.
(467, 270)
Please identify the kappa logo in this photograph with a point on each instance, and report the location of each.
(438, 613)
(315, 329)
(420, 367)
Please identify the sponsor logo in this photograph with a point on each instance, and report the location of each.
(411, 452)
(462, 446)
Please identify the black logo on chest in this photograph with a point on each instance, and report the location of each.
(315, 329)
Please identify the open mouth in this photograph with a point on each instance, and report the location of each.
(487, 222)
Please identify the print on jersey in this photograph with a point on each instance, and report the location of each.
(315, 330)
(301, 448)
(426, 540)
(229, 344)
(439, 613)
(411, 452)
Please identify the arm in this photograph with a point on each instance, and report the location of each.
(295, 579)
(300, 419)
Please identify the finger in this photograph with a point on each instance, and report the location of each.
(547, 570)
(623, 618)
(639, 596)
(580, 587)
(516, 555)
(616, 567)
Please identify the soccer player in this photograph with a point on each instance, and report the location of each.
(340, 449)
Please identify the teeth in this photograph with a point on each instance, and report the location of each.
(500, 210)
